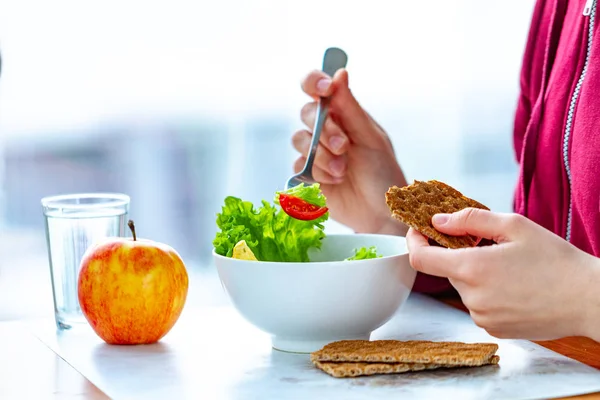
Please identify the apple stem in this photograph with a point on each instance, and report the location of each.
(132, 227)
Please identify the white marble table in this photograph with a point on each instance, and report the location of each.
(212, 353)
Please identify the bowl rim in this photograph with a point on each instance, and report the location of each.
(331, 263)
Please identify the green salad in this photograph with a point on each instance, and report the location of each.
(283, 230)
(364, 253)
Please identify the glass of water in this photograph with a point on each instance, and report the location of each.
(73, 223)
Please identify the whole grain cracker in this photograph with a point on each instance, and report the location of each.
(412, 351)
(354, 369)
(347, 370)
(416, 204)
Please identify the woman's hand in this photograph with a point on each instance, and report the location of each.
(532, 284)
(355, 162)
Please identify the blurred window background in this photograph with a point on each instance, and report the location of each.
(181, 103)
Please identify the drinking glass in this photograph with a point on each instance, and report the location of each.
(73, 223)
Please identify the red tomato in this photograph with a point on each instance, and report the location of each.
(297, 208)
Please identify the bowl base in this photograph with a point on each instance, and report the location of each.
(306, 346)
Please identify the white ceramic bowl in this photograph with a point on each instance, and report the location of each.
(304, 306)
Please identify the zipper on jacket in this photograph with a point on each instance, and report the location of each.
(588, 10)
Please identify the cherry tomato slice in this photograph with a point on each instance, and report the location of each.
(297, 208)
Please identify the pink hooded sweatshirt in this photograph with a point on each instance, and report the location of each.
(557, 126)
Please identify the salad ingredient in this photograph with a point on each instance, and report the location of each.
(297, 208)
(241, 251)
(364, 253)
(270, 233)
(279, 232)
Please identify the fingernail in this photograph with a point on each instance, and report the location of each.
(440, 219)
(323, 85)
(337, 167)
(336, 143)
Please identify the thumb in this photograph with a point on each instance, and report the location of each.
(477, 222)
(355, 121)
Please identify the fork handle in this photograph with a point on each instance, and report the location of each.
(333, 60)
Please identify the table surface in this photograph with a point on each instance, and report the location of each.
(31, 361)
(579, 348)
(260, 371)
(30, 369)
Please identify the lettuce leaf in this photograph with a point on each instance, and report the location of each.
(364, 253)
(270, 233)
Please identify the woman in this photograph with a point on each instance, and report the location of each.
(542, 278)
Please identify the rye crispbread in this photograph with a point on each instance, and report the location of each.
(412, 351)
(416, 204)
(347, 370)
(353, 369)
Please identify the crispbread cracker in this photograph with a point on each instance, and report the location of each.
(346, 370)
(412, 351)
(416, 204)
(353, 369)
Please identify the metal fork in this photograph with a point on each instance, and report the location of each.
(333, 60)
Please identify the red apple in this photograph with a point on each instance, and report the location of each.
(132, 291)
